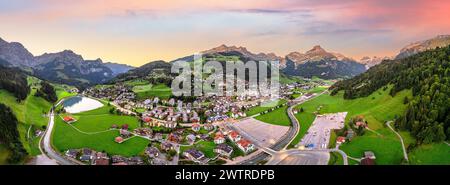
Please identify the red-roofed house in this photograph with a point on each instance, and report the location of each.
(196, 127)
(219, 138)
(245, 145)
(340, 140)
(69, 119)
(118, 139)
(147, 119)
(234, 136)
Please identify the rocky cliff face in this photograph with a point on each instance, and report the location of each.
(62, 67)
(321, 63)
(416, 47)
(16, 54)
(372, 61)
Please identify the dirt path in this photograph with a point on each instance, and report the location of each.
(405, 154)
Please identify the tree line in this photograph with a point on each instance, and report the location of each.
(47, 92)
(9, 134)
(15, 81)
(427, 74)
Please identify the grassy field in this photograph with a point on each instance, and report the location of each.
(100, 120)
(431, 154)
(28, 112)
(377, 108)
(142, 88)
(96, 124)
(258, 109)
(150, 91)
(277, 117)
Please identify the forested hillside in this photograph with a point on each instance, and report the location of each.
(427, 74)
(10, 135)
(14, 81)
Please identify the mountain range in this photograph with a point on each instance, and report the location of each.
(63, 67)
(70, 68)
(321, 63)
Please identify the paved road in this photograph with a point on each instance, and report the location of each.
(405, 154)
(283, 143)
(45, 144)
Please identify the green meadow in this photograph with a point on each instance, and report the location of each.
(277, 117)
(149, 91)
(258, 109)
(377, 108)
(94, 132)
(431, 154)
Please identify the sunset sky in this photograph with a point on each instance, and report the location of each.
(137, 31)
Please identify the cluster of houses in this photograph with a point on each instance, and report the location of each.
(222, 148)
(169, 114)
(89, 156)
(118, 92)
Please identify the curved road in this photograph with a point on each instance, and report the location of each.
(290, 135)
(46, 146)
(405, 154)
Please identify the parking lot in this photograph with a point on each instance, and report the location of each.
(266, 134)
(318, 135)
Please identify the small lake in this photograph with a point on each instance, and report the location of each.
(79, 104)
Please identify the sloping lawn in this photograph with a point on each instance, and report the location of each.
(148, 91)
(258, 109)
(277, 117)
(377, 108)
(431, 154)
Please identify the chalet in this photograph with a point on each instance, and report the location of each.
(349, 135)
(245, 145)
(69, 119)
(146, 132)
(369, 154)
(194, 155)
(234, 136)
(125, 133)
(174, 137)
(367, 161)
(166, 146)
(87, 154)
(219, 138)
(72, 153)
(157, 136)
(340, 140)
(196, 127)
(135, 161)
(190, 138)
(146, 119)
(152, 152)
(117, 159)
(208, 127)
(118, 139)
(170, 124)
(205, 137)
(224, 150)
(360, 124)
(101, 162)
